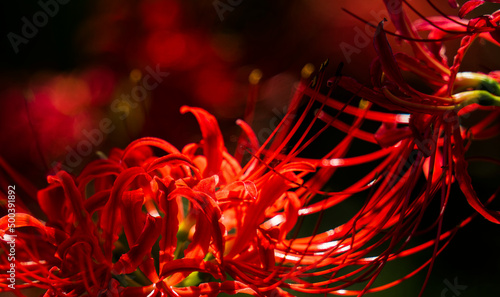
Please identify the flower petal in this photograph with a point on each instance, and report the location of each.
(468, 7)
(206, 204)
(52, 235)
(291, 214)
(170, 226)
(131, 208)
(213, 143)
(403, 25)
(271, 190)
(172, 160)
(110, 214)
(71, 193)
(129, 262)
(190, 265)
(453, 3)
(150, 141)
(387, 59)
(215, 288)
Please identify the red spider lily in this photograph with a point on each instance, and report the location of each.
(195, 222)
(434, 124)
(433, 142)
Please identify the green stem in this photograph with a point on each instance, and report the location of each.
(477, 81)
(483, 98)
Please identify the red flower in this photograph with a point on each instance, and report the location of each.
(203, 212)
(434, 126)
(197, 222)
(433, 141)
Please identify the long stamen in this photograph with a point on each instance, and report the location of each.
(445, 15)
(429, 21)
(404, 37)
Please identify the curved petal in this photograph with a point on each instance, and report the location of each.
(173, 159)
(468, 7)
(129, 262)
(213, 143)
(170, 226)
(150, 141)
(206, 204)
(73, 195)
(109, 216)
(190, 265)
(291, 212)
(52, 235)
(386, 56)
(215, 288)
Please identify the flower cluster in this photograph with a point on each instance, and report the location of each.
(434, 126)
(153, 220)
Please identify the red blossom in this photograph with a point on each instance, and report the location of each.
(197, 222)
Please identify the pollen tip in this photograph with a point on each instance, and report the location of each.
(307, 70)
(101, 155)
(363, 104)
(324, 65)
(314, 81)
(319, 113)
(255, 76)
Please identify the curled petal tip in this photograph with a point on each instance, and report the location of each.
(453, 3)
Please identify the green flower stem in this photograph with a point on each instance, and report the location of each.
(478, 81)
(483, 98)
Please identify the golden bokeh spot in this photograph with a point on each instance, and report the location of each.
(255, 76)
(135, 75)
(307, 70)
